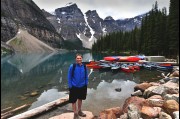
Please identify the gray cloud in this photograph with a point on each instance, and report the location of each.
(115, 8)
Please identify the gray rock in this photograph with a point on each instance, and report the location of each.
(166, 79)
(160, 90)
(174, 80)
(162, 81)
(137, 93)
(133, 112)
(124, 116)
(176, 114)
(164, 115)
(171, 97)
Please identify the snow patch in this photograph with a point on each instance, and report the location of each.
(63, 12)
(104, 31)
(93, 21)
(53, 13)
(86, 43)
(59, 30)
(58, 20)
(91, 30)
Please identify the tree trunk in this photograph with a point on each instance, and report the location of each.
(41, 109)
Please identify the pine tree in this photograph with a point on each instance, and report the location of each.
(173, 27)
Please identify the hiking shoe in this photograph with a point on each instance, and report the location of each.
(76, 116)
(80, 113)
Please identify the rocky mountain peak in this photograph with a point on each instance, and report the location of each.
(71, 4)
(47, 14)
(109, 18)
(68, 10)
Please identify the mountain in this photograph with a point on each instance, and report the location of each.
(74, 25)
(130, 23)
(26, 15)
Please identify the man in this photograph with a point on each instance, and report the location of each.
(77, 82)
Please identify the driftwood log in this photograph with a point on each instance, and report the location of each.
(43, 108)
(11, 112)
(6, 109)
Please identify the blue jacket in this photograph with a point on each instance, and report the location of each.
(79, 79)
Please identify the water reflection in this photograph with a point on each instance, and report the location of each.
(46, 74)
(22, 73)
(105, 95)
(47, 96)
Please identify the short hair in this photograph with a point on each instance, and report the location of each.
(78, 55)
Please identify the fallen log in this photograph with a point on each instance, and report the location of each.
(10, 113)
(41, 109)
(6, 109)
(6, 116)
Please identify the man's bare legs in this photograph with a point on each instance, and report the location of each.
(80, 113)
(79, 104)
(75, 111)
(74, 107)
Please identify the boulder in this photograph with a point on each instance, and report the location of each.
(118, 89)
(70, 115)
(172, 97)
(148, 91)
(155, 102)
(170, 84)
(142, 86)
(166, 79)
(137, 93)
(155, 97)
(162, 81)
(171, 88)
(124, 116)
(160, 90)
(174, 80)
(154, 84)
(150, 112)
(137, 101)
(164, 115)
(34, 93)
(133, 112)
(111, 113)
(170, 106)
(175, 74)
(176, 114)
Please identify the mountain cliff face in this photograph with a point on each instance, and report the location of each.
(130, 23)
(72, 24)
(26, 14)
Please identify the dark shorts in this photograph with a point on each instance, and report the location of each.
(77, 93)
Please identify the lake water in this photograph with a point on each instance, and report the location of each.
(22, 74)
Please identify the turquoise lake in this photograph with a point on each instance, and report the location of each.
(46, 74)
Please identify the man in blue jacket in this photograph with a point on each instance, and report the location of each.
(77, 82)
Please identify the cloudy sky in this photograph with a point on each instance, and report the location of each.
(118, 9)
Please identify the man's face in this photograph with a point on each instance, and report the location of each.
(79, 59)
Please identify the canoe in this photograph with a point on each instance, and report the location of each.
(165, 68)
(111, 58)
(133, 59)
(123, 58)
(93, 66)
(129, 58)
(128, 69)
(165, 64)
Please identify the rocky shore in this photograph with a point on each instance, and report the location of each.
(150, 100)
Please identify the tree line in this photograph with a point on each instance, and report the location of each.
(158, 34)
